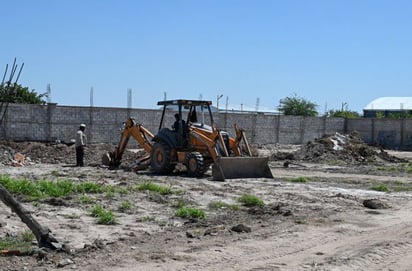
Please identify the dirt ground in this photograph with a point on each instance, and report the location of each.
(333, 220)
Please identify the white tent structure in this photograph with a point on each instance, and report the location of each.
(387, 105)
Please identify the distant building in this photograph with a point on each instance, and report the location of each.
(385, 106)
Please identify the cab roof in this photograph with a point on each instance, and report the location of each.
(184, 102)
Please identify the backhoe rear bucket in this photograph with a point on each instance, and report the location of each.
(241, 167)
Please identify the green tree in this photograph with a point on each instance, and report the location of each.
(297, 106)
(344, 112)
(16, 93)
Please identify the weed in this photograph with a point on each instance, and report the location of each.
(125, 205)
(43, 188)
(109, 194)
(27, 236)
(223, 205)
(298, 180)
(22, 243)
(179, 203)
(162, 223)
(150, 186)
(90, 187)
(104, 216)
(380, 187)
(250, 200)
(301, 221)
(189, 212)
(84, 199)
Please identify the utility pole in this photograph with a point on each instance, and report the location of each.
(129, 98)
(48, 93)
(257, 104)
(217, 101)
(91, 96)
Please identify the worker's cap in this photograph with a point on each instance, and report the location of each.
(83, 125)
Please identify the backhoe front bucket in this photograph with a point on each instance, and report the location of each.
(241, 167)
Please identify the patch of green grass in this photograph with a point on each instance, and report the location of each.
(43, 188)
(85, 199)
(380, 187)
(223, 205)
(109, 194)
(250, 200)
(105, 217)
(90, 187)
(150, 186)
(402, 188)
(24, 187)
(56, 189)
(27, 236)
(409, 169)
(125, 206)
(178, 203)
(22, 243)
(122, 191)
(298, 180)
(189, 212)
(301, 221)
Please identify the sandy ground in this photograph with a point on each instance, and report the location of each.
(321, 224)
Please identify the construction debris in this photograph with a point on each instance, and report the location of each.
(26, 153)
(349, 149)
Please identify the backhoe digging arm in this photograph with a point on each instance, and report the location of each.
(138, 132)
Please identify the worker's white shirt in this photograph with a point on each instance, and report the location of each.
(80, 138)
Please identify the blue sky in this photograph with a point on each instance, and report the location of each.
(329, 52)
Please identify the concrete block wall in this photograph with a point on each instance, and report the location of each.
(104, 125)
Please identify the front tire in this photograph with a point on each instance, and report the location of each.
(195, 165)
(160, 158)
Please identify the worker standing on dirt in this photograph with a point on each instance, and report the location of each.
(80, 145)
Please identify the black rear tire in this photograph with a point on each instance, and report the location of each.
(160, 158)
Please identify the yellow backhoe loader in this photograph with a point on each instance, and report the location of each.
(194, 142)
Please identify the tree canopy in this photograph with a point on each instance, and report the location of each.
(16, 93)
(297, 106)
(344, 112)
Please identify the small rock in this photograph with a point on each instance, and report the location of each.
(190, 235)
(375, 204)
(241, 228)
(64, 263)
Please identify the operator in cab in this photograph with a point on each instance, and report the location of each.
(179, 124)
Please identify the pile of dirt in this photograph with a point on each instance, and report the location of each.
(349, 149)
(55, 153)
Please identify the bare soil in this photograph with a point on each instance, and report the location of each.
(333, 221)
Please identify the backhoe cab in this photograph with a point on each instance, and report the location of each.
(194, 142)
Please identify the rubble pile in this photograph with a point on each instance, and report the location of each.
(28, 152)
(338, 147)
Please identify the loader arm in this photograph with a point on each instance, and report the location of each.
(235, 144)
(131, 129)
(208, 141)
